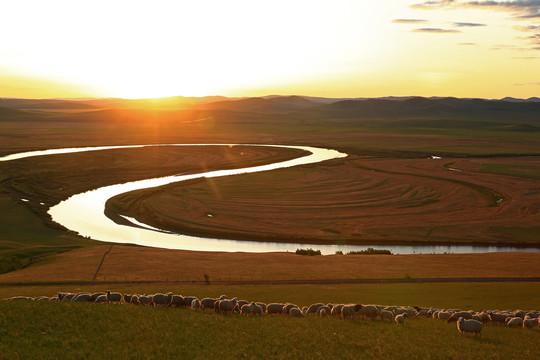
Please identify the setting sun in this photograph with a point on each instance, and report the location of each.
(245, 48)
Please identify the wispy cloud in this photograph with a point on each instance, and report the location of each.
(433, 4)
(436, 30)
(525, 9)
(525, 57)
(529, 84)
(526, 28)
(467, 43)
(410, 21)
(520, 9)
(467, 24)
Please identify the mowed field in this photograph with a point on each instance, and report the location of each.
(484, 189)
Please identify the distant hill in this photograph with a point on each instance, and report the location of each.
(426, 107)
(44, 104)
(273, 104)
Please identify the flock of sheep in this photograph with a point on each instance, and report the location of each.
(467, 321)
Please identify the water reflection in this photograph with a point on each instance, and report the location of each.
(84, 213)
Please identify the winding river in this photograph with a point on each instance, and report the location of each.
(84, 213)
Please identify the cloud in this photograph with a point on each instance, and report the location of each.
(434, 4)
(525, 57)
(528, 84)
(436, 30)
(467, 24)
(522, 9)
(409, 21)
(526, 28)
(469, 43)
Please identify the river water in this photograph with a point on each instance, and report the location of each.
(84, 213)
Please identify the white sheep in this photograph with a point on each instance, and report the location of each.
(296, 312)
(178, 300)
(257, 310)
(114, 296)
(514, 322)
(530, 323)
(325, 308)
(455, 316)
(350, 310)
(336, 310)
(145, 299)
(95, 295)
(474, 326)
(226, 306)
(208, 303)
(313, 308)
(274, 308)
(369, 311)
(83, 297)
(101, 299)
(195, 304)
(162, 299)
(387, 315)
(400, 319)
(247, 309)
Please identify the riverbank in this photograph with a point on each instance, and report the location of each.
(133, 263)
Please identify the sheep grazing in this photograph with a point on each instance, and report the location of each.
(178, 300)
(162, 299)
(312, 309)
(101, 299)
(95, 295)
(208, 303)
(514, 322)
(287, 307)
(350, 310)
(84, 297)
(498, 317)
(322, 311)
(326, 309)
(195, 304)
(530, 323)
(387, 315)
(188, 300)
(113, 297)
(247, 309)
(20, 298)
(336, 310)
(262, 305)
(127, 298)
(226, 306)
(135, 299)
(295, 312)
(274, 308)
(472, 326)
(145, 300)
(42, 298)
(400, 319)
(369, 311)
(257, 310)
(455, 316)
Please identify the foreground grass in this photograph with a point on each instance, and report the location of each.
(83, 331)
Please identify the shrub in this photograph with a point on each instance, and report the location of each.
(308, 252)
(370, 251)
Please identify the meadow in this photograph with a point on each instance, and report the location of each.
(83, 330)
(390, 189)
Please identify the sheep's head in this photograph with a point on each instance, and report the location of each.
(358, 307)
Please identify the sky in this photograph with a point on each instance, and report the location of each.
(330, 48)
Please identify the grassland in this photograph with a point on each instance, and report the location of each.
(392, 192)
(71, 330)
